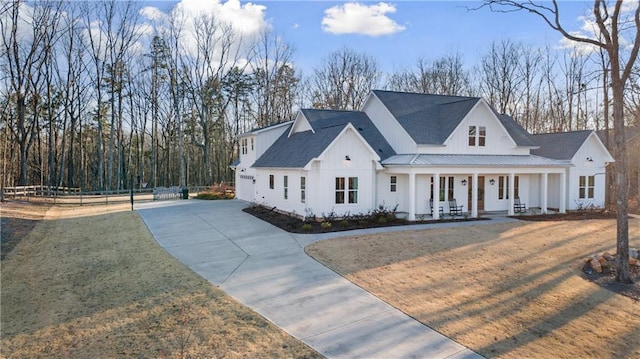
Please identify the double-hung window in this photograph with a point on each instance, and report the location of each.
(503, 187)
(586, 187)
(271, 182)
(477, 136)
(303, 189)
(346, 189)
(286, 187)
(393, 183)
(243, 143)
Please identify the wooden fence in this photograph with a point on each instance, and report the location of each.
(75, 196)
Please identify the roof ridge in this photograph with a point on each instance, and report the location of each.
(426, 94)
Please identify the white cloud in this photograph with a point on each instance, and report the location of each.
(247, 19)
(153, 13)
(356, 18)
(590, 30)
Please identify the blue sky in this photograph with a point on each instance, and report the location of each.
(409, 29)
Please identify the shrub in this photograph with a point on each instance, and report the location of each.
(307, 227)
(217, 191)
(326, 225)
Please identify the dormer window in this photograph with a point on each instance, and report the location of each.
(477, 136)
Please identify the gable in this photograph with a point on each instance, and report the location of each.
(295, 149)
(428, 119)
(559, 145)
(567, 145)
(300, 124)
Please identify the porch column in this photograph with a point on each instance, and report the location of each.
(435, 213)
(512, 182)
(474, 196)
(545, 192)
(412, 196)
(563, 193)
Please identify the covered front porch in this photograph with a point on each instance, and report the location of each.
(479, 184)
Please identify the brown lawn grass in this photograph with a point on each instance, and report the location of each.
(503, 290)
(90, 282)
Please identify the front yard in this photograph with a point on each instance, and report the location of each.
(504, 290)
(91, 282)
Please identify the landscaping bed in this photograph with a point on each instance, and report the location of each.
(381, 217)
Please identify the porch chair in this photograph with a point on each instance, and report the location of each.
(441, 209)
(519, 207)
(454, 209)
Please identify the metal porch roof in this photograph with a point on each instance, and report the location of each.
(472, 160)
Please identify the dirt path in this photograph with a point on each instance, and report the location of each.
(91, 282)
(503, 290)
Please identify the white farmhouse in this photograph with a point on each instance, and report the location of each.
(419, 152)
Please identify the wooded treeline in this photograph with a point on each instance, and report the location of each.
(93, 94)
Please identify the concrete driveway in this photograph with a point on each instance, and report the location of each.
(266, 269)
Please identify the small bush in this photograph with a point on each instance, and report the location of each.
(218, 191)
(307, 227)
(326, 225)
(345, 223)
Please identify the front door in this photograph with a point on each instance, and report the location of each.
(480, 193)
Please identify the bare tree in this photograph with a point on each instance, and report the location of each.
(22, 59)
(499, 77)
(217, 52)
(275, 80)
(444, 76)
(344, 80)
(613, 26)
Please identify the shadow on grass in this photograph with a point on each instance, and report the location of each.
(527, 274)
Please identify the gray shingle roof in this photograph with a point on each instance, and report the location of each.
(472, 160)
(297, 150)
(559, 145)
(430, 119)
(517, 132)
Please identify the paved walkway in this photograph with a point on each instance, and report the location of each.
(266, 269)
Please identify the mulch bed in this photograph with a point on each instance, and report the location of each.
(296, 225)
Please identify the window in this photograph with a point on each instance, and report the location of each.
(477, 135)
(503, 187)
(472, 135)
(243, 144)
(303, 189)
(446, 188)
(350, 192)
(353, 189)
(251, 143)
(393, 183)
(339, 190)
(587, 187)
(271, 182)
(286, 187)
